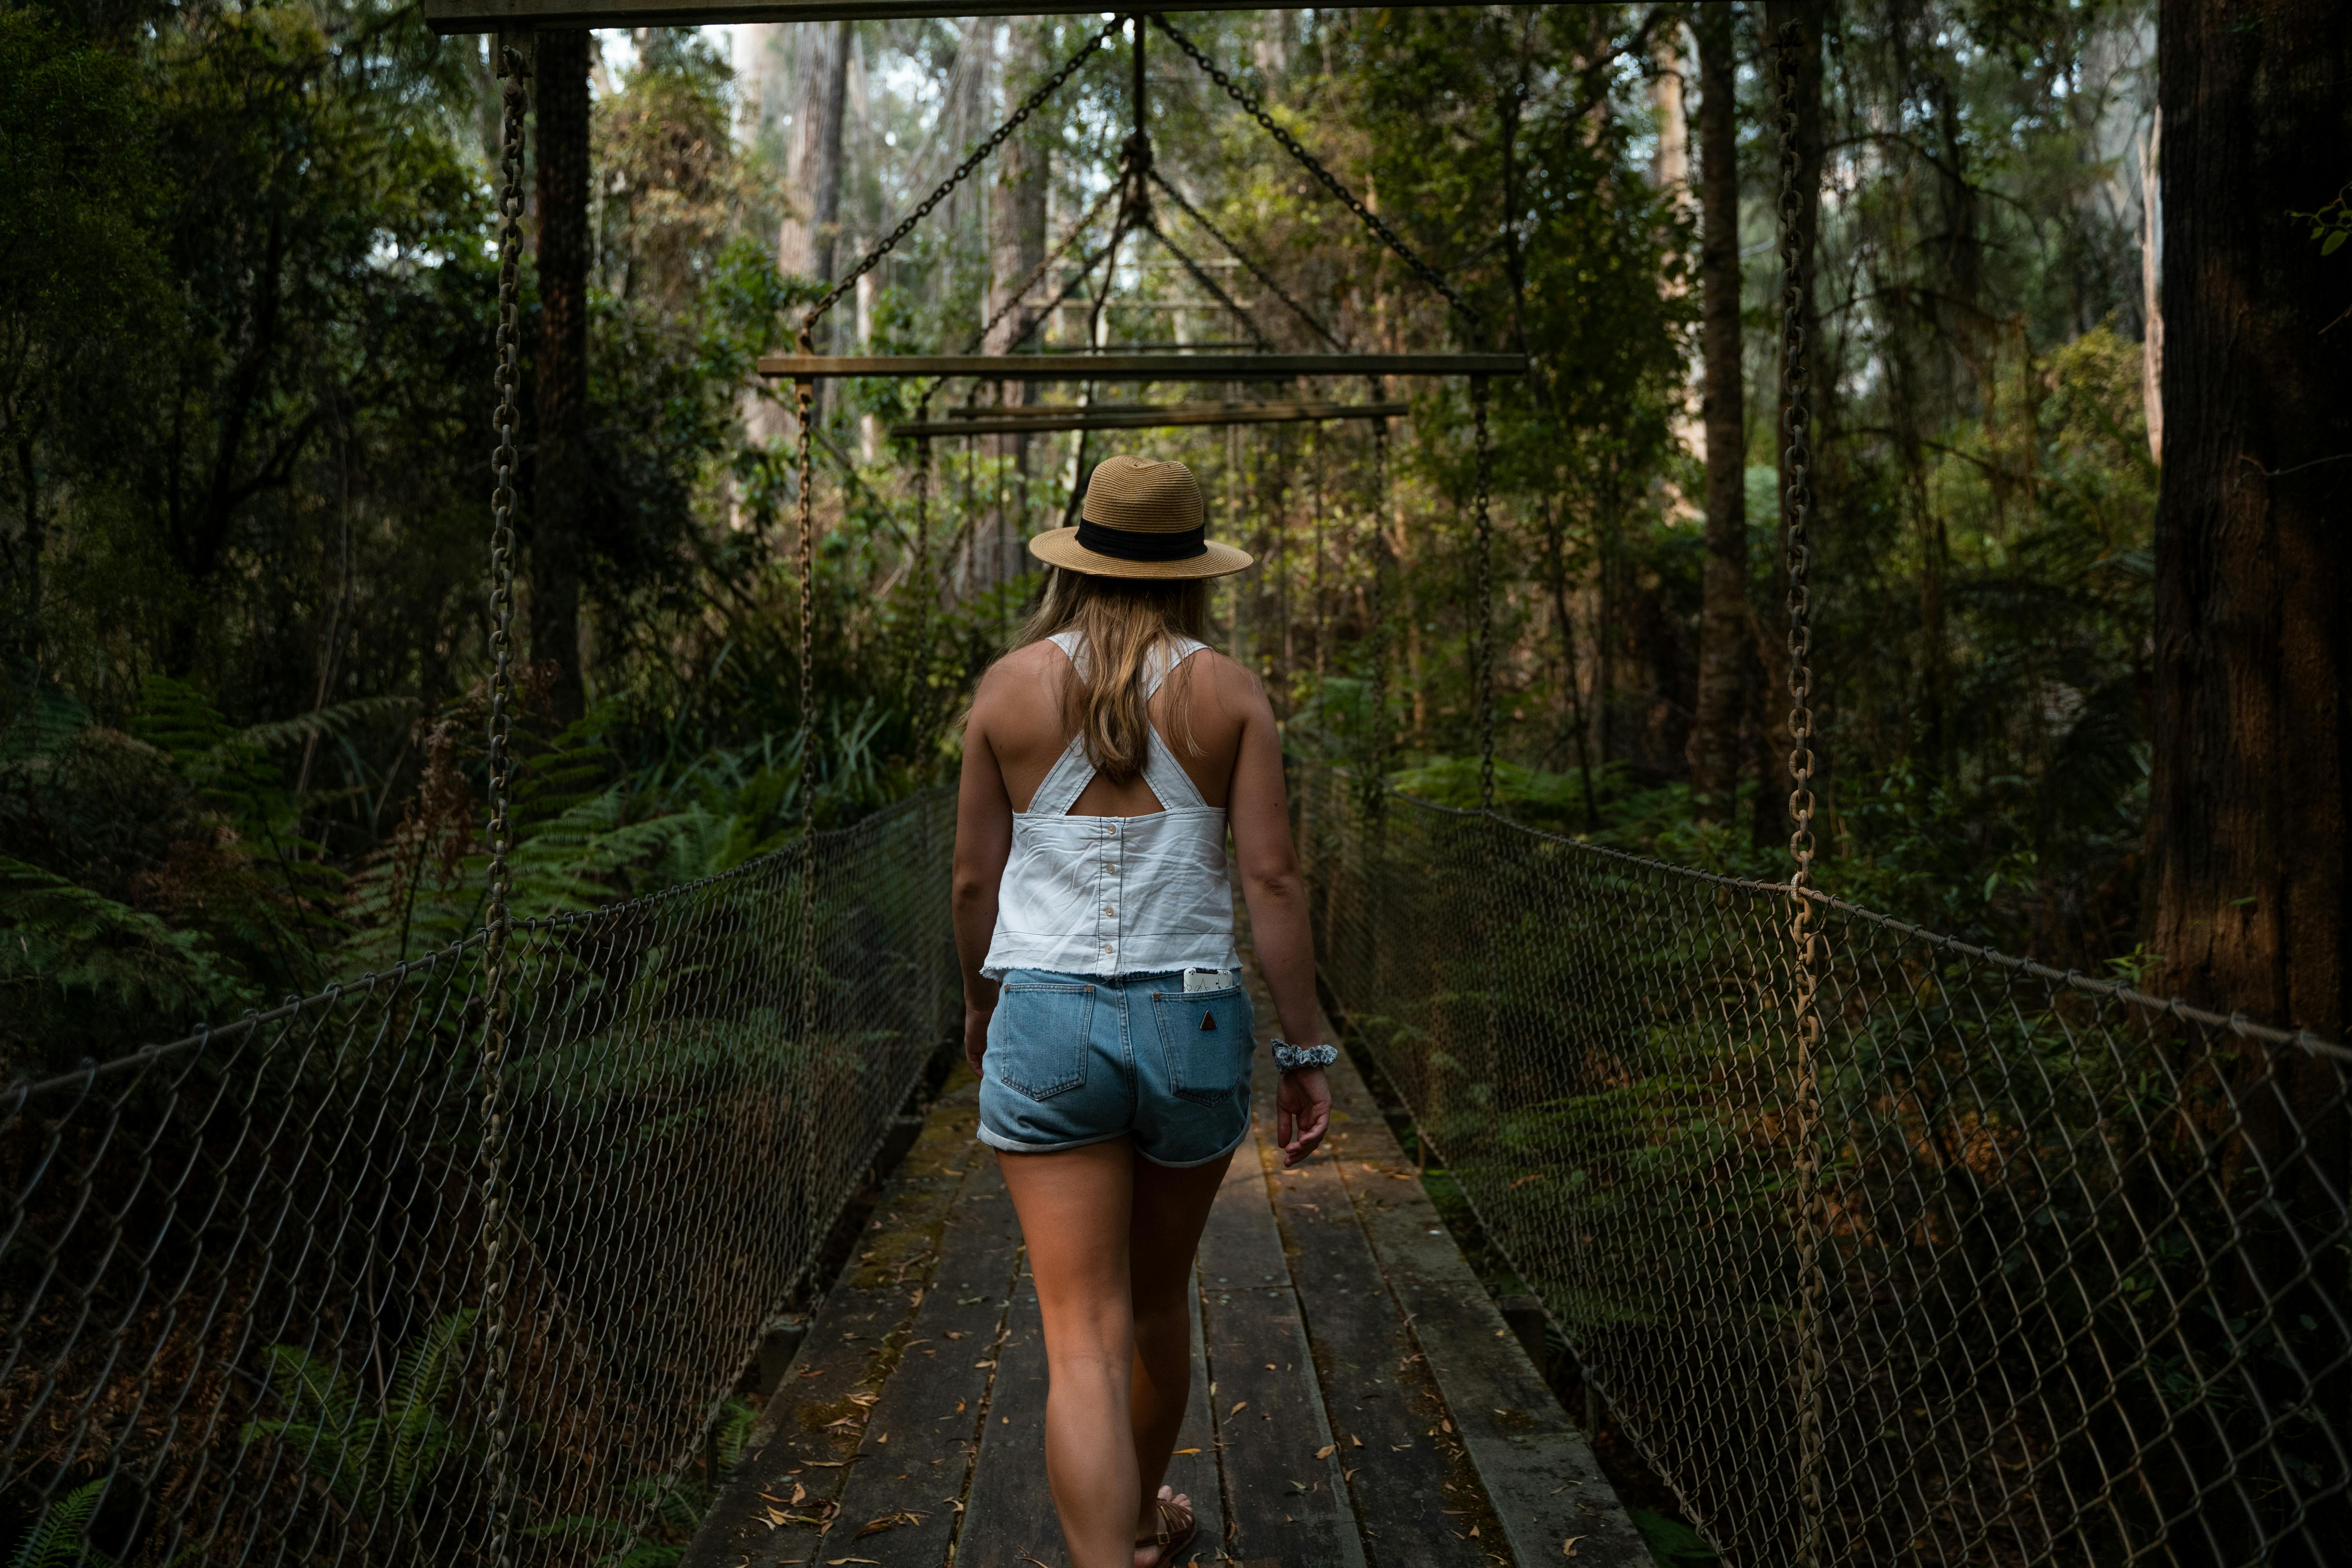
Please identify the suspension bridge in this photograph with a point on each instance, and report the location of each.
(1869, 1244)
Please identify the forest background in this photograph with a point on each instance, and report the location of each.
(248, 289)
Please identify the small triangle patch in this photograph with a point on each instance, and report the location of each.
(1207, 1023)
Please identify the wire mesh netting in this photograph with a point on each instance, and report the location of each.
(243, 1271)
(2082, 1256)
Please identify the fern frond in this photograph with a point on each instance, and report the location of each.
(57, 1540)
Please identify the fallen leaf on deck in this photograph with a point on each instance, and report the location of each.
(955, 1333)
(1239, 1406)
(1326, 1451)
(982, 1364)
(887, 1522)
(1568, 1547)
(1359, 1442)
(1185, 1451)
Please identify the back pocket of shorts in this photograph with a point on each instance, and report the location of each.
(1037, 1041)
(1207, 1035)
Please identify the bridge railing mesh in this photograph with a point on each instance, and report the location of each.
(2083, 1254)
(242, 1272)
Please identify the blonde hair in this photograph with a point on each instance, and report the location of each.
(1120, 620)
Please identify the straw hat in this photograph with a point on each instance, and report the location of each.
(1143, 518)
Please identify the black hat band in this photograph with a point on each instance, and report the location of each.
(1128, 545)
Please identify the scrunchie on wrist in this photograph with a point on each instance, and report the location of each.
(1291, 1058)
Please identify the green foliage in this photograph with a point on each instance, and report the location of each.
(1671, 1543)
(376, 1456)
(678, 1506)
(57, 1541)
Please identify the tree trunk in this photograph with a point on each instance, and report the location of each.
(561, 475)
(1016, 245)
(809, 235)
(2151, 333)
(1770, 823)
(1725, 651)
(2247, 884)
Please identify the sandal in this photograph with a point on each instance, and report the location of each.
(1179, 1526)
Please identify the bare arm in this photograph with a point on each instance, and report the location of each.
(1276, 894)
(983, 842)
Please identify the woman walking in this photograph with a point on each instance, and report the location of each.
(1105, 759)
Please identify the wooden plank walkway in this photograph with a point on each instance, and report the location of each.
(1358, 1400)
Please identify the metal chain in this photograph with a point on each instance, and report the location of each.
(1330, 182)
(1036, 276)
(963, 171)
(498, 917)
(1482, 520)
(805, 576)
(924, 590)
(1264, 281)
(1375, 792)
(1216, 291)
(1796, 507)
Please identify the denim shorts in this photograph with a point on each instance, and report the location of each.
(1078, 1059)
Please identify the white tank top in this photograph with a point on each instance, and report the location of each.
(1115, 895)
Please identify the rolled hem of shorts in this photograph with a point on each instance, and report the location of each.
(999, 1143)
(1189, 1165)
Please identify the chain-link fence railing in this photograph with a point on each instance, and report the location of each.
(2082, 1255)
(243, 1273)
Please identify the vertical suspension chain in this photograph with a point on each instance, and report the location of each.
(498, 917)
(925, 589)
(1482, 659)
(804, 581)
(1796, 504)
(1376, 743)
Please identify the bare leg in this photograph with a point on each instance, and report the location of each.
(1171, 1207)
(1075, 1209)
(1110, 1241)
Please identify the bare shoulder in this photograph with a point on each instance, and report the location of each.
(1019, 677)
(1229, 684)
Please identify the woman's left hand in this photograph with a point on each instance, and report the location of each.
(975, 1033)
(1302, 1113)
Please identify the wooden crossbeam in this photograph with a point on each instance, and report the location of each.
(1010, 422)
(496, 16)
(1136, 367)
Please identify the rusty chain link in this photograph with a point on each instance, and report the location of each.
(1376, 740)
(1482, 658)
(1796, 243)
(497, 918)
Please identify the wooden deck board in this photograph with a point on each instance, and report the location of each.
(921, 1434)
(1404, 1471)
(1329, 1317)
(1536, 1470)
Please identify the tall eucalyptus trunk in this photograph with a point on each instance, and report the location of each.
(1726, 648)
(562, 475)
